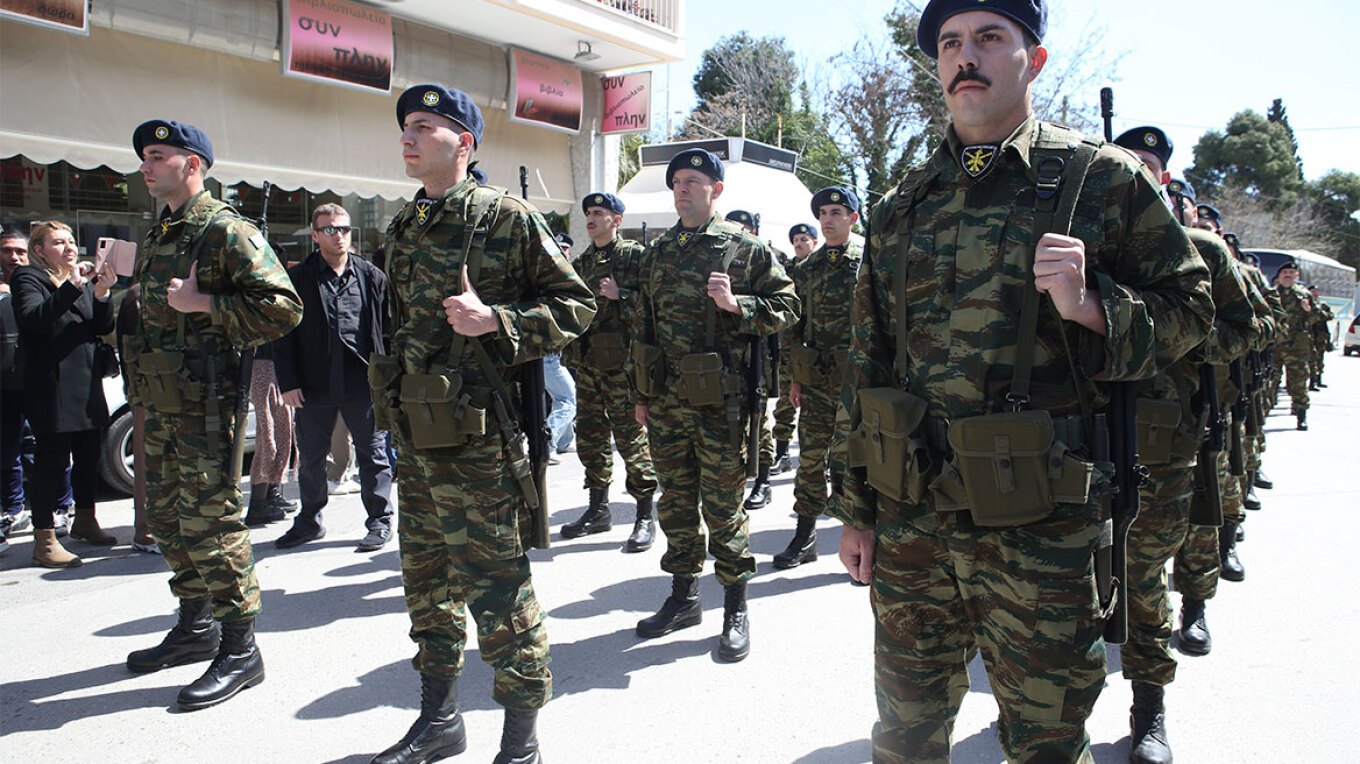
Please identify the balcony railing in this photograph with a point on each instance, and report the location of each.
(662, 13)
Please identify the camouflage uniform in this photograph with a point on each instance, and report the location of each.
(463, 524)
(825, 281)
(1266, 304)
(1321, 328)
(1294, 343)
(1025, 596)
(603, 396)
(701, 469)
(193, 503)
(1162, 530)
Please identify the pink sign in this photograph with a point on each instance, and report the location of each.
(627, 106)
(545, 92)
(338, 42)
(66, 15)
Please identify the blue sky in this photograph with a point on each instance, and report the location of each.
(1189, 66)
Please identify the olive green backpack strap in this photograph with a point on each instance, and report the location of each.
(711, 308)
(475, 230)
(911, 191)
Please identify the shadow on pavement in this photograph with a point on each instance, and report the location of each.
(30, 712)
(397, 685)
(981, 747)
(639, 595)
(853, 752)
(609, 660)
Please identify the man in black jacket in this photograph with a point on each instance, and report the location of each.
(322, 368)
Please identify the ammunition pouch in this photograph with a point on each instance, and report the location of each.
(809, 366)
(167, 386)
(608, 350)
(438, 411)
(1158, 424)
(703, 382)
(383, 373)
(885, 441)
(649, 370)
(1011, 469)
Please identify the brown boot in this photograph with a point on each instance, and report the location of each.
(86, 528)
(49, 553)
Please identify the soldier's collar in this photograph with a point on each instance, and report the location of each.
(978, 159)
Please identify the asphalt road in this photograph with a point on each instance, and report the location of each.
(1280, 685)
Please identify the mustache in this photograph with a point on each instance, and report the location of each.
(965, 75)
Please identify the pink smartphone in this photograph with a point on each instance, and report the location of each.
(123, 254)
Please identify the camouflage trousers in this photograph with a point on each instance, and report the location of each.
(1253, 448)
(784, 414)
(1162, 533)
(1230, 491)
(193, 510)
(816, 424)
(1025, 597)
(462, 523)
(1293, 358)
(766, 435)
(702, 478)
(604, 417)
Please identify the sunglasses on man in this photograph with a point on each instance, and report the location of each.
(331, 230)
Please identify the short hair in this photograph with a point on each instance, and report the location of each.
(13, 233)
(329, 208)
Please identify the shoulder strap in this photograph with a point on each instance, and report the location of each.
(910, 192)
(195, 252)
(475, 229)
(710, 307)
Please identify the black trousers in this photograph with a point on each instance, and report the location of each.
(54, 454)
(314, 424)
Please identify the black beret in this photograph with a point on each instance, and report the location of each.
(1030, 14)
(607, 201)
(804, 228)
(446, 102)
(705, 162)
(1181, 188)
(172, 133)
(743, 217)
(479, 175)
(564, 240)
(1287, 264)
(834, 195)
(1249, 257)
(1210, 212)
(1148, 138)
(1230, 239)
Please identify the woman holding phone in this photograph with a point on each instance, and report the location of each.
(63, 308)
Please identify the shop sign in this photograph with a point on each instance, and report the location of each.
(545, 92)
(338, 42)
(627, 103)
(67, 15)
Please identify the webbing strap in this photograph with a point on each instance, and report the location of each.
(900, 305)
(711, 308)
(475, 230)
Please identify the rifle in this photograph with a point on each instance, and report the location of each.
(534, 417)
(1256, 365)
(242, 412)
(1236, 455)
(1206, 505)
(755, 396)
(1119, 431)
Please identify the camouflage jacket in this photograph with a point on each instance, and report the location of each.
(1236, 329)
(622, 260)
(253, 301)
(673, 293)
(1296, 318)
(539, 302)
(1263, 301)
(968, 248)
(825, 282)
(1320, 326)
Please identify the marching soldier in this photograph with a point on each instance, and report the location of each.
(803, 237)
(211, 286)
(709, 291)
(479, 288)
(953, 362)
(818, 344)
(603, 396)
(1295, 340)
(761, 491)
(1321, 328)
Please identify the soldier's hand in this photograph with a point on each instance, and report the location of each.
(720, 289)
(1307, 304)
(1060, 272)
(796, 394)
(640, 413)
(466, 312)
(609, 288)
(183, 294)
(293, 399)
(857, 553)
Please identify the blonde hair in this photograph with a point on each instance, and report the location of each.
(37, 237)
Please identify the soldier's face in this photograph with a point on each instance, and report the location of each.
(803, 245)
(695, 193)
(602, 224)
(332, 245)
(13, 253)
(986, 67)
(1154, 165)
(836, 221)
(1287, 277)
(166, 169)
(432, 145)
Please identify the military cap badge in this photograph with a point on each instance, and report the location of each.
(978, 159)
(835, 196)
(599, 199)
(1150, 139)
(430, 98)
(162, 132)
(696, 160)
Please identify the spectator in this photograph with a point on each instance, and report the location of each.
(273, 442)
(561, 387)
(63, 307)
(13, 253)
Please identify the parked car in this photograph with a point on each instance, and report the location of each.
(1351, 342)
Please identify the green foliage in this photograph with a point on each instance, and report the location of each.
(1336, 196)
(1254, 153)
(629, 161)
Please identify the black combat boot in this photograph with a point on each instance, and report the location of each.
(1249, 499)
(596, 518)
(782, 462)
(519, 738)
(1229, 567)
(1241, 534)
(1194, 631)
(1303, 421)
(195, 638)
(803, 547)
(1147, 722)
(238, 665)
(259, 512)
(1320, 383)
(278, 501)
(760, 490)
(438, 731)
(735, 642)
(644, 528)
(1259, 479)
(680, 610)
